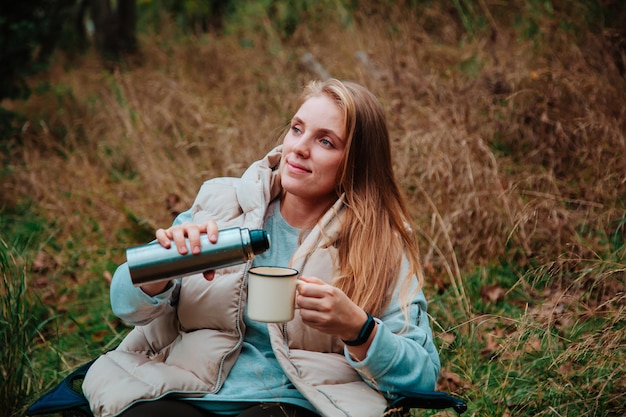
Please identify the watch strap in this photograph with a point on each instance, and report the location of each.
(364, 333)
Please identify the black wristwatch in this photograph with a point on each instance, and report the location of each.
(365, 332)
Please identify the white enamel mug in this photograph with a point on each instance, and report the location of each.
(272, 293)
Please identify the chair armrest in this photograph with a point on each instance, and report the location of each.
(434, 400)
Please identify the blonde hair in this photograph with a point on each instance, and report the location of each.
(375, 232)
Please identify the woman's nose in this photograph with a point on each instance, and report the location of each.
(302, 146)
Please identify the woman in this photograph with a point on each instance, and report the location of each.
(329, 201)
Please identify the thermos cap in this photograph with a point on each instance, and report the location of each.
(259, 241)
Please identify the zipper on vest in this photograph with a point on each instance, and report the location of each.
(239, 319)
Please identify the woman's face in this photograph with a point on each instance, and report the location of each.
(313, 151)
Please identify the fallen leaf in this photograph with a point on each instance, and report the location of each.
(99, 335)
(445, 413)
(115, 322)
(448, 338)
(42, 263)
(62, 303)
(565, 368)
(434, 278)
(429, 269)
(107, 277)
(173, 204)
(41, 282)
(450, 381)
(492, 293)
(532, 345)
(492, 344)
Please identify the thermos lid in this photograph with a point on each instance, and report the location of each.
(259, 241)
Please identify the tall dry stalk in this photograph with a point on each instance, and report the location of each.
(19, 324)
(509, 148)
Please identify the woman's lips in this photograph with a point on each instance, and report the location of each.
(297, 168)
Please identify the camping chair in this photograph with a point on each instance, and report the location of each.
(68, 400)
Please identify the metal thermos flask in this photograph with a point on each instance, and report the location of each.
(152, 262)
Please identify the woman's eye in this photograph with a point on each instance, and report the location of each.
(326, 142)
(295, 130)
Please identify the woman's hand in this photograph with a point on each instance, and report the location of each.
(178, 233)
(330, 310)
(187, 230)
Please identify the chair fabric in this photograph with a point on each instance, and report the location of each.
(67, 398)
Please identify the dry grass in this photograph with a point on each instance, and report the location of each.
(507, 151)
(190, 111)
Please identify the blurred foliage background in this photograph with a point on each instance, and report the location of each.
(507, 121)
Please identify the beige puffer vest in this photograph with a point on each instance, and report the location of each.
(191, 349)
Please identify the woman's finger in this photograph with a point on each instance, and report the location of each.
(163, 238)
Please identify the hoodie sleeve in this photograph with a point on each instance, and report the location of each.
(401, 360)
(134, 306)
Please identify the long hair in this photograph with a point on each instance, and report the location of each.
(375, 232)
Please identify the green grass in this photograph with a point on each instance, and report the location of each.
(22, 316)
(536, 351)
(47, 327)
(507, 128)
